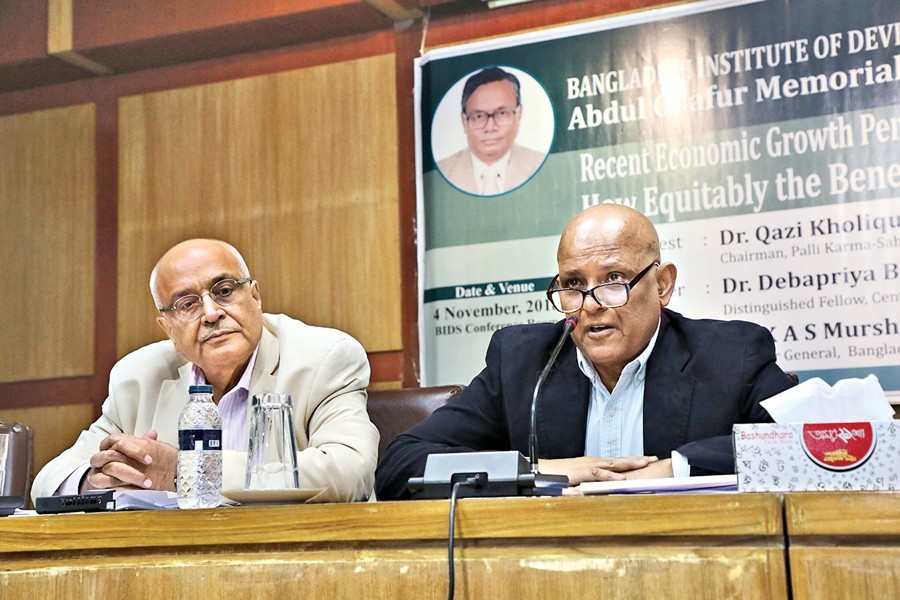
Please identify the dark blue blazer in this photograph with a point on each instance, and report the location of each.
(703, 376)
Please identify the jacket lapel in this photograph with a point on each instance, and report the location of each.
(515, 169)
(262, 379)
(668, 393)
(173, 395)
(463, 174)
(562, 407)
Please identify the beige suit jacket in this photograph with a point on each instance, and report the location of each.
(523, 162)
(324, 370)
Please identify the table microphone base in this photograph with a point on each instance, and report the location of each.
(497, 474)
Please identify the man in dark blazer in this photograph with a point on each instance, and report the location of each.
(694, 378)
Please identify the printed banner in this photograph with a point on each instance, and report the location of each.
(760, 137)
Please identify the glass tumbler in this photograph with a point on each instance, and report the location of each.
(272, 452)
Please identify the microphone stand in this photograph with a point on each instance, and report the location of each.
(494, 473)
(568, 326)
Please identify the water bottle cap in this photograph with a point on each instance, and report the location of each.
(200, 389)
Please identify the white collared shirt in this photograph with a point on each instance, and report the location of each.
(483, 172)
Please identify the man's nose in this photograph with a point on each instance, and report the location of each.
(212, 312)
(590, 304)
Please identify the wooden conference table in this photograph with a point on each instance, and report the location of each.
(691, 546)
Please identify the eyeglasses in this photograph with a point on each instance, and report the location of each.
(607, 295)
(189, 308)
(504, 116)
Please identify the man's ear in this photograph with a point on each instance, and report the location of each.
(164, 325)
(666, 274)
(254, 292)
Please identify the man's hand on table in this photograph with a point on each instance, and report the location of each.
(128, 461)
(591, 468)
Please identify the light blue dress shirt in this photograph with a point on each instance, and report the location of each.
(615, 421)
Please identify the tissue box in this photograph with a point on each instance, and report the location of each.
(795, 457)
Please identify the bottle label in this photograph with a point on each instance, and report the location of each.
(200, 439)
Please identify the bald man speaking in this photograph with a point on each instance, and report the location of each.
(637, 391)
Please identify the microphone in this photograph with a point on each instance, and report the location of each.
(493, 473)
(568, 326)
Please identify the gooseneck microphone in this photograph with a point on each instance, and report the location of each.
(568, 326)
(496, 472)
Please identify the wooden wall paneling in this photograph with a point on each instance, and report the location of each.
(262, 62)
(60, 36)
(408, 43)
(23, 30)
(395, 11)
(59, 25)
(24, 60)
(47, 243)
(104, 93)
(297, 169)
(55, 429)
(101, 23)
(130, 35)
(107, 230)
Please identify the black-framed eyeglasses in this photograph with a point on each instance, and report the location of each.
(503, 116)
(223, 293)
(607, 295)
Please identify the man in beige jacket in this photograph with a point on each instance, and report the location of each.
(211, 310)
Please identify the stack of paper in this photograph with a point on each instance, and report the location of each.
(668, 485)
(145, 500)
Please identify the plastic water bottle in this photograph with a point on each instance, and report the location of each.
(199, 451)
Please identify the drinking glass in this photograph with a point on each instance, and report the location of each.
(272, 452)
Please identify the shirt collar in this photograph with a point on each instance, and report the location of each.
(480, 168)
(636, 369)
(198, 377)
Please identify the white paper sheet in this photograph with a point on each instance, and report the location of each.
(667, 485)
